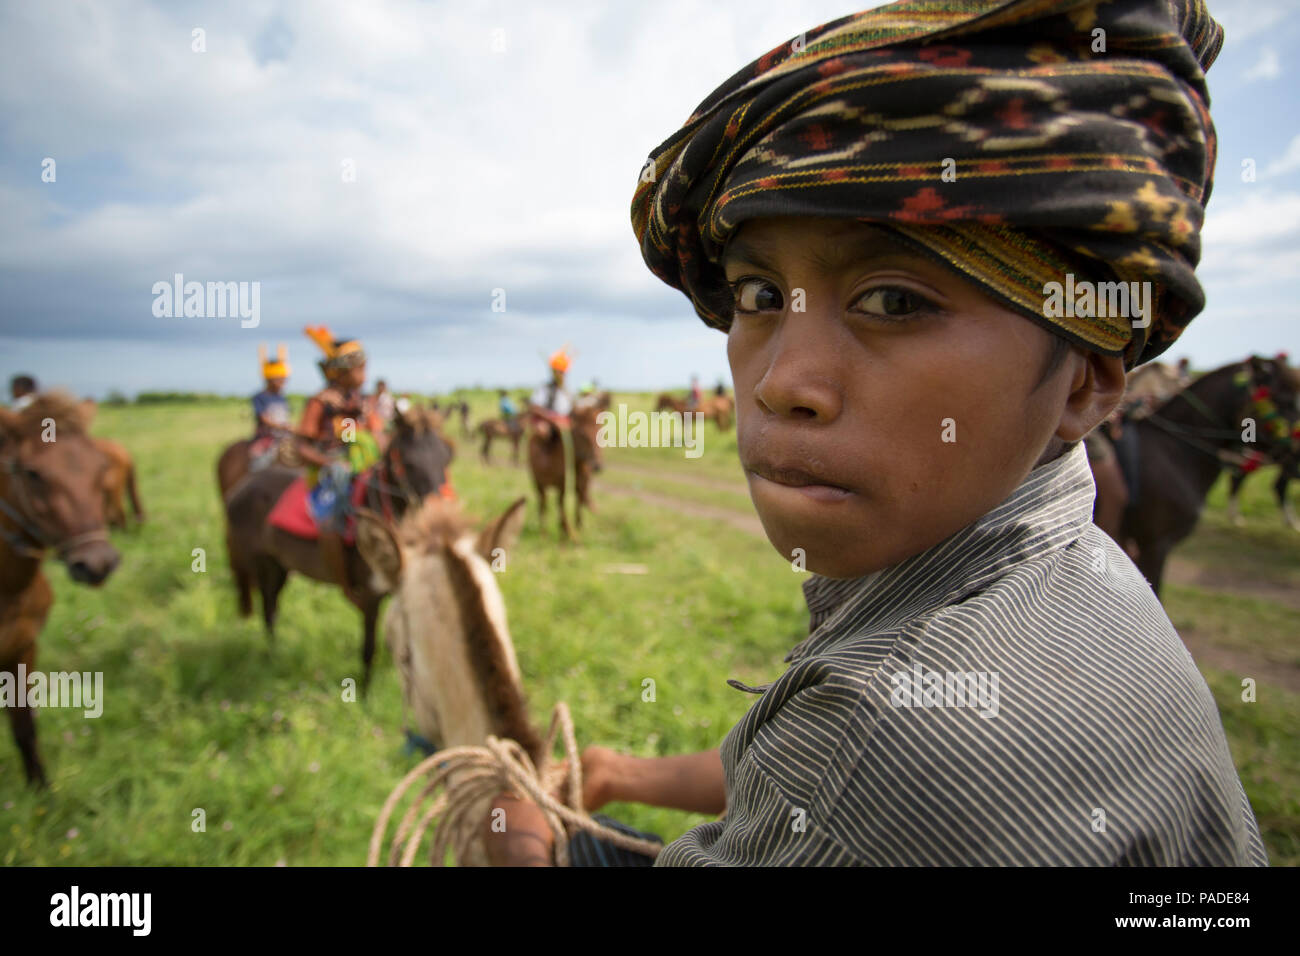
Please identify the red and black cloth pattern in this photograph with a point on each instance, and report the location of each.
(1016, 140)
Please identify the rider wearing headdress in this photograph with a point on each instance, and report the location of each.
(338, 437)
(270, 407)
(550, 406)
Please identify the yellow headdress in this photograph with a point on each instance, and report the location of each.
(277, 369)
(339, 353)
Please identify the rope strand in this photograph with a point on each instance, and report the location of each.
(469, 777)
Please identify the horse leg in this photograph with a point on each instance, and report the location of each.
(1234, 489)
(271, 575)
(1279, 489)
(1151, 562)
(541, 504)
(371, 616)
(564, 516)
(23, 722)
(486, 451)
(243, 576)
(134, 495)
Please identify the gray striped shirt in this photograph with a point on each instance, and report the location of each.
(1014, 695)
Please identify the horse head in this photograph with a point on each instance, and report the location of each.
(51, 491)
(1272, 401)
(418, 454)
(446, 623)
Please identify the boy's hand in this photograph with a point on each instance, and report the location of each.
(527, 839)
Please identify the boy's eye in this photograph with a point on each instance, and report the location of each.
(757, 295)
(893, 302)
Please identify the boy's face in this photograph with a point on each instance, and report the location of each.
(899, 406)
(275, 385)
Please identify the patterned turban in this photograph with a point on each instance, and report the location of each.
(1016, 141)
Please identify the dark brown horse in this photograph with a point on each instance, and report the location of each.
(495, 428)
(546, 461)
(1184, 444)
(414, 466)
(51, 498)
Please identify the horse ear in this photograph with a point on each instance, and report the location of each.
(504, 532)
(379, 547)
(87, 408)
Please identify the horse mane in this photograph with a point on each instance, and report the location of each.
(437, 523)
(505, 701)
(64, 408)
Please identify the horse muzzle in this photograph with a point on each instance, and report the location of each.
(92, 563)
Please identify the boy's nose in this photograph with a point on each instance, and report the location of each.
(802, 376)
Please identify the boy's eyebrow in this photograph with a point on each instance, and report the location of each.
(839, 255)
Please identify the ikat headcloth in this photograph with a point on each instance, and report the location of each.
(1018, 141)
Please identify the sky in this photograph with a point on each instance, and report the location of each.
(383, 168)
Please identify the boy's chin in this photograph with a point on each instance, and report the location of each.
(828, 558)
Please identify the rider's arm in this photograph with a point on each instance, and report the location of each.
(309, 433)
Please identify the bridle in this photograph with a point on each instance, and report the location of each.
(1262, 408)
(21, 514)
(391, 480)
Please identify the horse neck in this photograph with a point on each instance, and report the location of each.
(1217, 392)
(1220, 395)
(17, 571)
(490, 652)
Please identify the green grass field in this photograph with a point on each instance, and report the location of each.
(202, 714)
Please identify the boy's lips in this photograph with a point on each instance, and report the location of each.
(819, 487)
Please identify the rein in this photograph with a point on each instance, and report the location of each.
(22, 516)
(1189, 435)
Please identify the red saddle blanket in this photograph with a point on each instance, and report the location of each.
(290, 512)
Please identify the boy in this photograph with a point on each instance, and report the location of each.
(550, 406)
(270, 409)
(875, 213)
(338, 437)
(23, 390)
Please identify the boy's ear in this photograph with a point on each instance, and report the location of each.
(504, 531)
(380, 549)
(1096, 388)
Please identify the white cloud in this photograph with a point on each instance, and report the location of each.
(1267, 67)
(1289, 162)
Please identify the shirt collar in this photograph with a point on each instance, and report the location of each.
(1049, 509)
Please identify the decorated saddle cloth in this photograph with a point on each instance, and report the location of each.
(292, 516)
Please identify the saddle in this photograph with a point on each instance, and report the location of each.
(290, 513)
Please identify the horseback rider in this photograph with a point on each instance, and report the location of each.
(693, 399)
(270, 409)
(23, 390)
(339, 437)
(509, 412)
(550, 406)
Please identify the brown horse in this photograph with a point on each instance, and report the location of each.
(51, 497)
(495, 428)
(233, 465)
(1183, 445)
(119, 478)
(414, 466)
(719, 408)
(546, 461)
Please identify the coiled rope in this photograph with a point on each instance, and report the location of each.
(470, 777)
